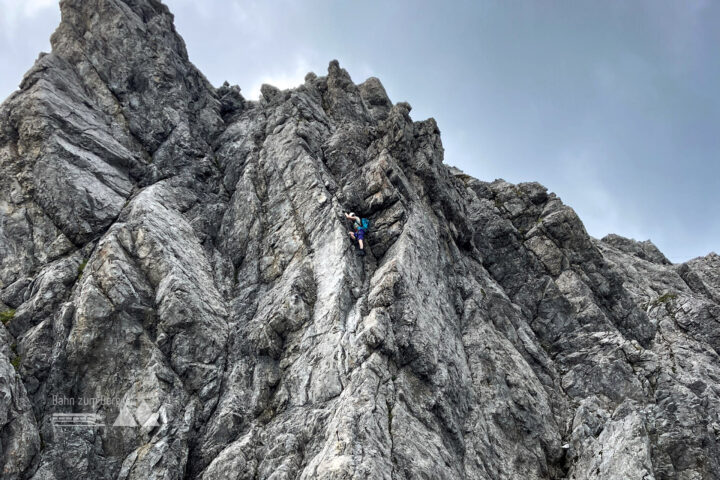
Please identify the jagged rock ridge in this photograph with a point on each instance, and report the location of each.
(178, 254)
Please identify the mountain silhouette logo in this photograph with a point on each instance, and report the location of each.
(142, 416)
(125, 418)
(145, 416)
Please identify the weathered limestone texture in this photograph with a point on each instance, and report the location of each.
(180, 253)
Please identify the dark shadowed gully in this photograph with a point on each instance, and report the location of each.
(175, 270)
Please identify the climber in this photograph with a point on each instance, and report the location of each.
(360, 226)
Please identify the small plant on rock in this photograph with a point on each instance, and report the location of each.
(16, 362)
(81, 268)
(6, 316)
(665, 298)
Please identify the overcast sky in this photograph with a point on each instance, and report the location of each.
(613, 105)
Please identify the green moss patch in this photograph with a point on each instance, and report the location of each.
(16, 362)
(665, 298)
(6, 316)
(81, 268)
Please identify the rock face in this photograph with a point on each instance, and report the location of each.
(174, 260)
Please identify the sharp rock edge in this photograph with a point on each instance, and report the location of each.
(178, 254)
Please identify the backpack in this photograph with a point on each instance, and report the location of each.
(365, 224)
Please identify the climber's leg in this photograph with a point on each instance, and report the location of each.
(360, 235)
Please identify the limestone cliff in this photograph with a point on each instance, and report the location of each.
(174, 259)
